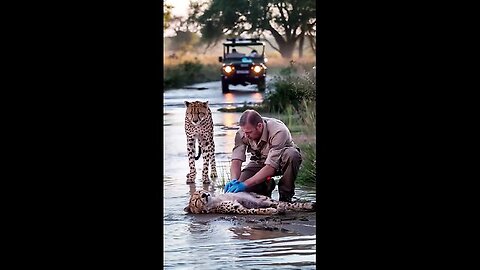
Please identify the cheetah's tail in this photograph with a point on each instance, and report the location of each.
(199, 152)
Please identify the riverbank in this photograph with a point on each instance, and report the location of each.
(194, 68)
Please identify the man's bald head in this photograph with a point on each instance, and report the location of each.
(251, 123)
(251, 117)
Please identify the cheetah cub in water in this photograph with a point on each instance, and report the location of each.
(201, 202)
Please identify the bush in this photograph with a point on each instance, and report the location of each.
(307, 112)
(294, 99)
(291, 90)
(189, 72)
(307, 174)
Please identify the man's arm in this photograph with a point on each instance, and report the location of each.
(238, 156)
(235, 168)
(260, 176)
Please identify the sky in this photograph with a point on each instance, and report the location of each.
(180, 7)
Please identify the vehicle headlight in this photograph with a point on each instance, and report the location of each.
(227, 69)
(257, 69)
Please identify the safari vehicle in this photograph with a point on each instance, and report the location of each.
(241, 65)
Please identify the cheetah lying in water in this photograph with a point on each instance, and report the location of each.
(243, 203)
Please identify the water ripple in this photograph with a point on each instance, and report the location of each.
(283, 253)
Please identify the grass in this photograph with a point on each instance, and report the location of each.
(223, 175)
(299, 118)
(294, 102)
(308, 116)
(308, 170)
(275, 61)
(291, 120)
(189, 72)
(291, 90)
(307, 175)
(190, 57)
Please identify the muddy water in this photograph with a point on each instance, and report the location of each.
(223, 241)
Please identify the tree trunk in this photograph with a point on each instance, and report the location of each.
(313, 44)
(287, 48)
(300, 46)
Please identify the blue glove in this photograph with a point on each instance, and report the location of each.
(237, 187)
(229, 184)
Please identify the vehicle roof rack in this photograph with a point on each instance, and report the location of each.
(243, 39)
(242, 42)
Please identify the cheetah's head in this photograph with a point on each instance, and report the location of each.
(198, 202)
(197, 111)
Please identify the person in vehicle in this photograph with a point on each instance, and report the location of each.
(235, 54)
(254, 53)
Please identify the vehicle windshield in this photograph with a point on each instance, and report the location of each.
(251, 51)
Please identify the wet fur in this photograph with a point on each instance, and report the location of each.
(201, 202)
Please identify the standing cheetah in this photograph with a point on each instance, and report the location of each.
(199, 127)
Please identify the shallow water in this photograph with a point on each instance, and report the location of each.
(216, 241)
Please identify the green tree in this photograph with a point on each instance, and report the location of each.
(288, 21)
(186, 33)
(184, 41)
(167, 15)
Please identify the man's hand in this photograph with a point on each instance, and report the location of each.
(237, 187)
(229, 184)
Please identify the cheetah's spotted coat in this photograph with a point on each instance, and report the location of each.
(201, 202)
(199, 127)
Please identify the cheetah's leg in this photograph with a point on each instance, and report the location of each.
(213, 169)
(206, 161)
(191, 159)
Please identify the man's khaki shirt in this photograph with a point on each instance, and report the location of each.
(275, 137)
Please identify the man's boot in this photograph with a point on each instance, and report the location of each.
(270, 186)
(285, 198)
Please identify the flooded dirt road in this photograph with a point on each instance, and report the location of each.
(224, 241)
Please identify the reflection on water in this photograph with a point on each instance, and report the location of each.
(257, 232)
(284, 253)
(230, 119)
(229, 98)
(257, 96)
(193, 187)
(213, 94)
(219, 242)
